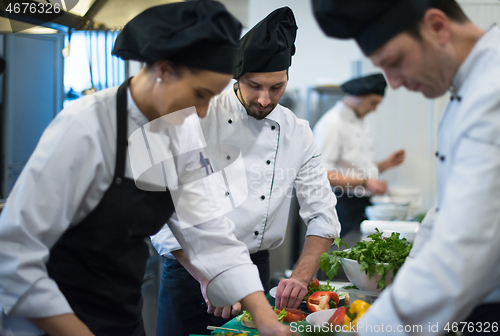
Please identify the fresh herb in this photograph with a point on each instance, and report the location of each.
(317, 287)
(350, 287)
(378, 255)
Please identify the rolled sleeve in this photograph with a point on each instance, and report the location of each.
(224, 261)
(46, 297)
(458, 266)
(233, 285)
(316, 199)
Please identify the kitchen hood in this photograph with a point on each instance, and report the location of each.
(88, 14)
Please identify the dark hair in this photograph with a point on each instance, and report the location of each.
(287, 76)
(177, 68)
(452, 10)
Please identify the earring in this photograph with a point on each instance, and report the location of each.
(158, 79)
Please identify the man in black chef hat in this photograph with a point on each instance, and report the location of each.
(279, 152)
(451, 281)
(346, 147)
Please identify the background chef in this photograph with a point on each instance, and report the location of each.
(279, 152)
(346, 147)
(452, 274)
(72, 233)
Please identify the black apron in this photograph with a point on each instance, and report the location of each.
(99, 264)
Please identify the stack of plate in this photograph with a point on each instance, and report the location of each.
(409, 197)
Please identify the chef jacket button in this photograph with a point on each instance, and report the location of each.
(256, 233)
(442, 158)
(118, 180)
(273, 127)
(228, 157)
(437, 209)
(268, 161)
(230, 121)
(437, 154)
(227, 193)
(459, 98)
(263, 197)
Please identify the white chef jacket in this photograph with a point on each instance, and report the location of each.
(278, 152)
(63, 181)
(345, 143)
(454, 264)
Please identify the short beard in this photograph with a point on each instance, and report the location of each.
(247, 106)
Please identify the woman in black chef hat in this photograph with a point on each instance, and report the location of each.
(72, 234)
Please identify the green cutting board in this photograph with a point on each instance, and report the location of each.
(233, 324)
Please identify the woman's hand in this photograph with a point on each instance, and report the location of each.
(62, 325)
(264, 316)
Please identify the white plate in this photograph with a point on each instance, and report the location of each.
(337, 286)
(320, 317)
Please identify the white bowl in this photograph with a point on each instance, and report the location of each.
(320, 317)
(405, 192)
(387, 212)
(360, 279)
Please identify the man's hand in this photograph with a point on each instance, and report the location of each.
(224, 312)
(290, 293)
(376, 187)
(395, 159)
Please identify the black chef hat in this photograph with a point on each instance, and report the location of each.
(372, 84)
(269, 45)
(200, 34)
(371, 22)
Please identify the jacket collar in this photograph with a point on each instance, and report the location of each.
(491, 37)
(134, 113)
(348, 113)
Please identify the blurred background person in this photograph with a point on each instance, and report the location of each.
(346, 147)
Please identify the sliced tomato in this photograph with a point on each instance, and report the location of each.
(338, 317)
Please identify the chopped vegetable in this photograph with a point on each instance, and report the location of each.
(379, 255)
(247, 321)
(338, 317)
(282, 314)
(322, 300)
(291, 314)
(315, 286)
(354, 312)
(244, 315)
